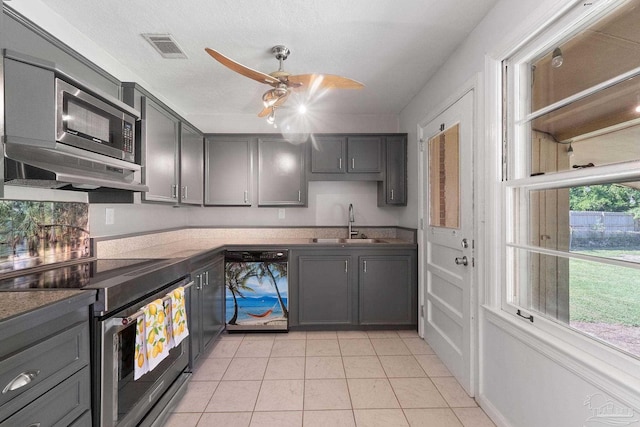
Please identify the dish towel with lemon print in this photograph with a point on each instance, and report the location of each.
(178, 317)
(152, 338)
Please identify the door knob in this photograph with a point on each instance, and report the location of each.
(462, 260)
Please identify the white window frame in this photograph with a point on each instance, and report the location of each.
(593, 360)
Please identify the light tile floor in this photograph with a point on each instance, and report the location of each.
(327, 379)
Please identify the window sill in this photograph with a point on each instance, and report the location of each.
(619, 376)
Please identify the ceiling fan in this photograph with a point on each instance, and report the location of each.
(283, 82)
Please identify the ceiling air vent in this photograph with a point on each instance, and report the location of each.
(166, 45)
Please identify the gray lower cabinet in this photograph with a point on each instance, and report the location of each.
(392, 191)
(191, 165)
(228, 171)
(325, 290)
(45, 365)
(281, 173)
(347, 287)
(59, 407)
(206, 316)
(387, 290)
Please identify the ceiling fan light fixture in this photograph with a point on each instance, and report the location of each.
(271, 118)
(272, 96)
(268, 99)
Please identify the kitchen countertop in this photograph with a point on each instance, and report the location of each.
(13, 304)
(16, 303)
(192, 247)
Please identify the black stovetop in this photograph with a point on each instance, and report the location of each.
(75, 276)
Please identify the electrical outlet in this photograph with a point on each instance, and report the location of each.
(109, 216)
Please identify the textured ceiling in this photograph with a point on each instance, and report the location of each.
(391, 46)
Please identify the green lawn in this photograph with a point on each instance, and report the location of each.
(604, 293)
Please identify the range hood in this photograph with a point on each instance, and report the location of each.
(60, 165)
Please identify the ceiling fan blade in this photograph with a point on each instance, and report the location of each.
(328, 81)
(241, 69)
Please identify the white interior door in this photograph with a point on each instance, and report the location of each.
(447, 255)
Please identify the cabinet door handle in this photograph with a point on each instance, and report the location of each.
(340, 163)
(186, 192)
(364, 267)
(34, 425)
(346, 265)
(353, 163)
(299, 195)
(392, 194)
(174, 191)
(206, 280)
(21, 380)
(246, 196)
(198, 281)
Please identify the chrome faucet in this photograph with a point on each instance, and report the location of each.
(352, 219)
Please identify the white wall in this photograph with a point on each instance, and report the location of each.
(464, 64)
(521, 382)
(135, 218)
(328, 203)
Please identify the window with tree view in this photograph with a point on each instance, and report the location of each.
(572, 184)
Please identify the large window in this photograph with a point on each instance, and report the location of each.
(572, 178)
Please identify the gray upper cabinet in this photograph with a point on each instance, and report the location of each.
(364, 154)
(328, 154)
(29, 92)
(170, 150)
(392, 191)
(346, 158)
(159, 152)
(23, 36)
(191, 165)
(228, 171)
(281, 173)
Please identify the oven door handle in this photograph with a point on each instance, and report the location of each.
(124, 321)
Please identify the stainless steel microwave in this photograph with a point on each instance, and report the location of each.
(88, 123)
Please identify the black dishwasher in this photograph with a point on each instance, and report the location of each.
(257, 291)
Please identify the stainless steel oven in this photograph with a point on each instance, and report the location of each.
(123, 287)
(123, 401)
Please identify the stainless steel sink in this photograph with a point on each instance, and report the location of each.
(342, 240)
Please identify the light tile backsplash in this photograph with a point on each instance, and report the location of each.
(112, 247)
